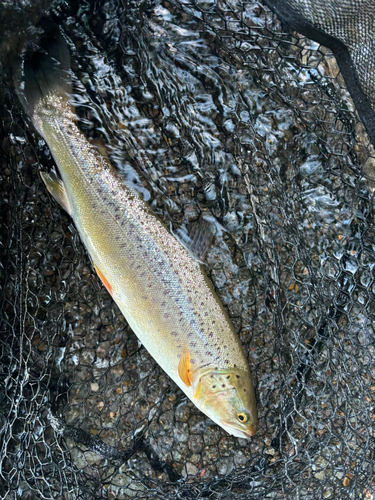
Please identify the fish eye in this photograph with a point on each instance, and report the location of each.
(242, 417)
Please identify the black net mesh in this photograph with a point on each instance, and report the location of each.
(351, 22)
(347, 28)
(205, 106)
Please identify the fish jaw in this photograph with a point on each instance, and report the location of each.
(239, 432)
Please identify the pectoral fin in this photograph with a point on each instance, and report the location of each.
(104, 280)
(57, 189)
(184, 368)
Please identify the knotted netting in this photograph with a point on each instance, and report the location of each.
(206, 107)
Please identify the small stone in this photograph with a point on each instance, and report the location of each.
(190, 470)
(346, 481)
(270, 451)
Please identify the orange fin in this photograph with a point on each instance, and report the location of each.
(184, 369)
(104, 281)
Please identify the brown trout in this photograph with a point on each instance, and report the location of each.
(162, 291)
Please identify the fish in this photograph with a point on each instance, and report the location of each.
(160, 287)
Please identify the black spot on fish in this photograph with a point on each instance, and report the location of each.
(228, 376)
(244, 390)
(223, 385)
(214, 386)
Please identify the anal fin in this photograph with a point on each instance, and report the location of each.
(57, 189)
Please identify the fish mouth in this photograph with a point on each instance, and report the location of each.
(240, 433)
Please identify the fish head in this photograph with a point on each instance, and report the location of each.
(227, 397)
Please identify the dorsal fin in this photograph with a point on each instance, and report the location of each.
(196, 238)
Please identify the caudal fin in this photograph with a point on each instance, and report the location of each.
(46, 72)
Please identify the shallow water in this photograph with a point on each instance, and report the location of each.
(201, 117)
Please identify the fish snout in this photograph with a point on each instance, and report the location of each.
(252, 430)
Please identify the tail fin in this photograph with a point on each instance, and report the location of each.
(46, 73)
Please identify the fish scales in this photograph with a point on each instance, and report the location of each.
(162, 291)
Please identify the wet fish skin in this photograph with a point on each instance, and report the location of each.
(162, 291)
